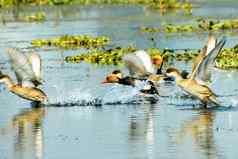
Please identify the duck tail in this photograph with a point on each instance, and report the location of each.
(214, 100)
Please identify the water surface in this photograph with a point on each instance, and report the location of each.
(88, 120)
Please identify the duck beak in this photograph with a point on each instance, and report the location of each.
(104, 82)
(167, 78)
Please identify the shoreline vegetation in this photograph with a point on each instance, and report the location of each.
(154, 4)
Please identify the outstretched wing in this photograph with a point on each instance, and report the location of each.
(23, 68)
(202, 70)
(211, 43)
(139, 63)
(35, 61)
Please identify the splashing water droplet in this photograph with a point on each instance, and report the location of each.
(234, 102)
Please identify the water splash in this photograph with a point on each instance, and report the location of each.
(234, 102)
(114, 94)
(76, 97)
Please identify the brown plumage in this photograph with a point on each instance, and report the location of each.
(195, 84)
(28, 73)
(191, 86)
(29, 93)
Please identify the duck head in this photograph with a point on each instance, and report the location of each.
(173, 72)
(7, 80)
(114, 77)
(157, 60)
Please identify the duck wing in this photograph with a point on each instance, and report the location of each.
(36, 64)
(211, 43)
(22, 68)
(203, 69)
(139, 63)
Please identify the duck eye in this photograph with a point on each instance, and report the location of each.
(116, 72)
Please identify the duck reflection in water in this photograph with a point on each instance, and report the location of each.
(142, 132)
(199, 130)
(29, 133)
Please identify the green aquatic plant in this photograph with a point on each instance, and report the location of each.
(227, 59)
(170, 4)
(37, 17)
(10, 3)
(72, 41)
(218, 24)
(155, 4)
(104, 57)
(170, 28)
(113, 56)
(198, 26)
(150, 29)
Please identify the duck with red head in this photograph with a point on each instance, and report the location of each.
(141, 67)
(158, 62)
(117, 77)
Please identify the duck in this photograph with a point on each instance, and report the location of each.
(204, 72)
(193, 85)
(28, 73)
(158, 62)
(139, 64)
(116, 77)
(140, 67)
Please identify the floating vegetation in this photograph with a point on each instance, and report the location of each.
(169, 28)
(155, 4)
(200, 25)
(110, 56)
(113, 56)
(150, 29)
(227, 59)
(72, 41)
(218, 24)
(37, 17)
(10, 3)
(170, 4)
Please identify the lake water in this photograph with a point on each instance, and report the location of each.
(85, 119)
